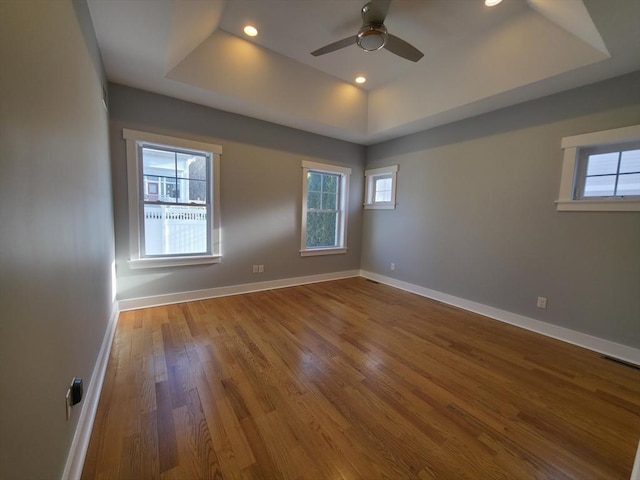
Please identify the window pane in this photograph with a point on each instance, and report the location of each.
(185, 163)
(158, 162)
(383, 184)
(630, 161)
(197, 167)
(329, 183)
(329, 201)
(314, 182)
(383, 190)
(197, 191)
(322, 191)
(629, 184)
(151, 188)
(197, 183)
(171, 190)
(603, 164)
(159, 172)
(383, 196)
(313, 200)
(321, 229)
(160, 189)
(599, 186)
(175, 230)
(173, 177)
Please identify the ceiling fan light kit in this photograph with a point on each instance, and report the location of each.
(373, 35)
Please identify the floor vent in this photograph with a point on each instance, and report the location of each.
(622, 362)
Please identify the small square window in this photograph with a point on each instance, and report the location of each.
(380, 188)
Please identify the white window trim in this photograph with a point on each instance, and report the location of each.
(571, 146)
(345, 173)
(135, 137)
(369, 194)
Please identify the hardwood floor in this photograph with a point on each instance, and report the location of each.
(354, 380)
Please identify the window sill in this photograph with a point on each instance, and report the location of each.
(172, 262)
(322, 251)
(379, 206)
(613, 205)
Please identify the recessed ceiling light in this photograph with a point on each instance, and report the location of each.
(360, 79)
(250, 30)
(491, 3)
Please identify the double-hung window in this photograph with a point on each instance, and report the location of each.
(325, 193)
(174, 210)
(601, 171)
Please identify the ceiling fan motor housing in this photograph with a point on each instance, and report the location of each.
(372, 37)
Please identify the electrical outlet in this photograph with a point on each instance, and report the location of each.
(393, 266)
(255, 269)
(260, 268)
(542, 302)
(73, 395)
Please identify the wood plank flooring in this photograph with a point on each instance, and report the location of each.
(354, 380)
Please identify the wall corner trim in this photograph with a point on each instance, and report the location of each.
(606, 347)
(82, 435)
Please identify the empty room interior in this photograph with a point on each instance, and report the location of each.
(392, 239)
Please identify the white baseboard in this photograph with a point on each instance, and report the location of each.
(155, 301)
(80, 443)
(606, 347)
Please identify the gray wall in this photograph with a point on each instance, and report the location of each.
(477, 219)
(261, 188)
(56, 235)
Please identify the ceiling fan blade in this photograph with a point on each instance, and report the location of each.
(332, 47)
(377, 11)
(403, 49)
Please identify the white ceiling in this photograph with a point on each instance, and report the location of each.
(476, 58)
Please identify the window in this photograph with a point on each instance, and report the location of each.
(601, 171)
(612, 171)
(174, 214)
(325, 193)
(380, 187)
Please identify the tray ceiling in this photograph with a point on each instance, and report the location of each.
(476, 58)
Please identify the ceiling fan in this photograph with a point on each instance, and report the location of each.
(373, 35)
